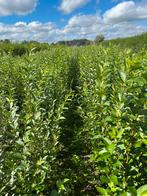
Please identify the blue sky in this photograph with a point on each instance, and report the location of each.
(54, 20)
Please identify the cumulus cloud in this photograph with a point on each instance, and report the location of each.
(78, 26)
(126, 11)
(119, 21)
(83, 26)
(88, 26)
(67, 6)
(17, 7)
(43, 32)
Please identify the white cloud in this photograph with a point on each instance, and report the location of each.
(124, 29)
(126, 11)
(88, 26)
(43, 32)
(67, 6)
(84, 20)
(79, 26)
(17, 7)
(83, 26)
(116, 22)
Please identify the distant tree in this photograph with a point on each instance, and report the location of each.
(75, 42)
(7, 41)
(99, 39)
(24, 42)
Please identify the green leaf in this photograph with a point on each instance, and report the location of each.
(107, 141)
(103, 151)
(142, 191)
(114, 179)
(122, 76)
(145, 141)
(40, 162)
(96, 137)
(111, 148)
(126, 194)
(145, 154)
(138, 144)
(62, 118)
(66, 180)
(37, 115)
(60, 184)
(102, 191)
(120, 133)
(109, 119)
(20, 142)
(121, 146)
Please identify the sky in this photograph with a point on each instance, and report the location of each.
(55, 20)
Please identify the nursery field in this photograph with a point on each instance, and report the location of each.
(73, 122)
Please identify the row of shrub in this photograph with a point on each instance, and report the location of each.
(19, 49)
(135, 42)
(72, 122)
(25, 47)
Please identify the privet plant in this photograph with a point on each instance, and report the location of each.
(73, 122)
(115, 119)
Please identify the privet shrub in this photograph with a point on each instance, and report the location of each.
(72, 122)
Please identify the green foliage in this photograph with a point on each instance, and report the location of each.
(142, 191)
(99, 39)
(73, 122)
(75, 42)
(19, 50)
(135, 42)
(114, 94)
